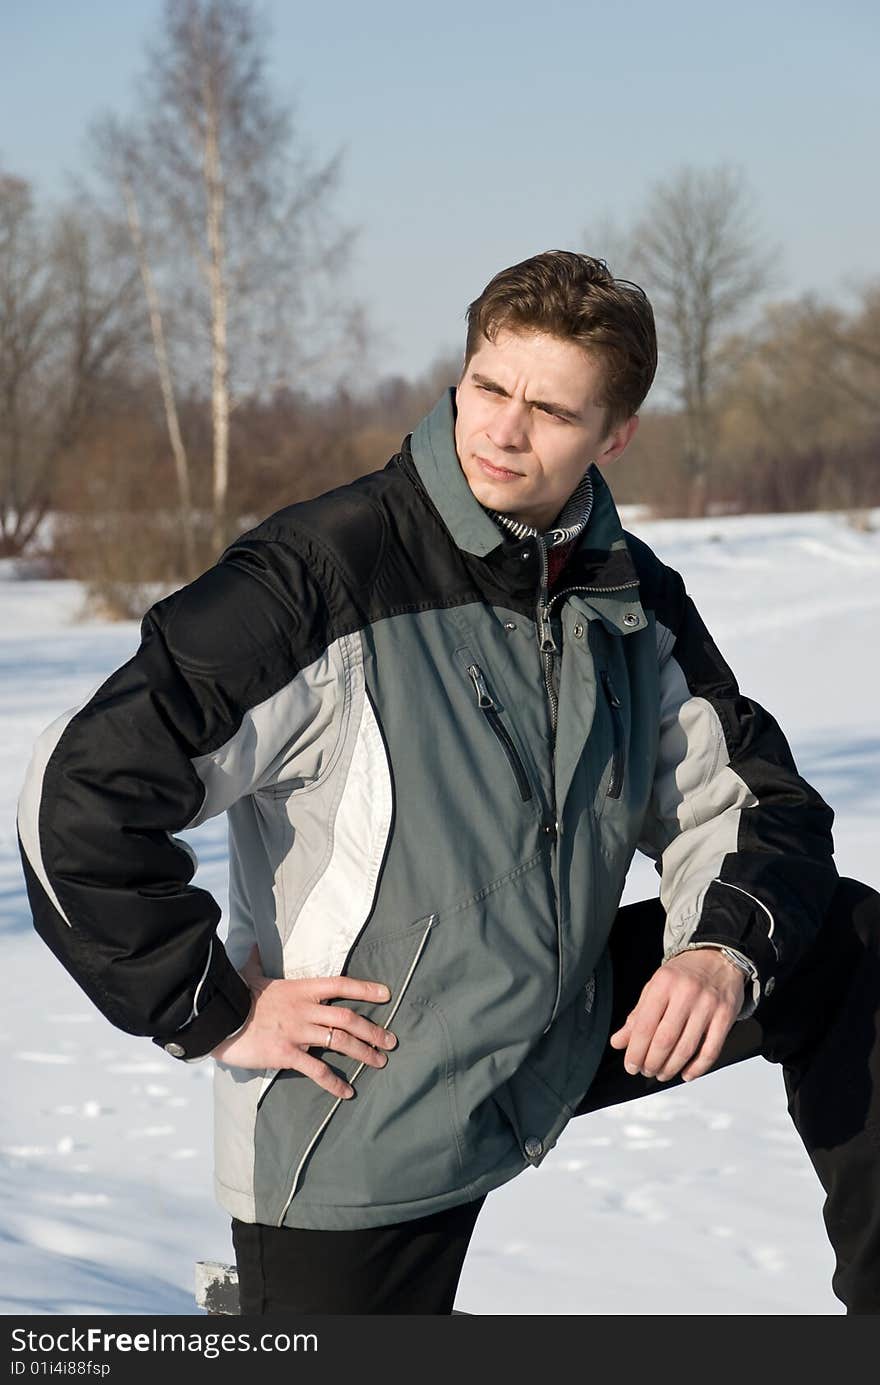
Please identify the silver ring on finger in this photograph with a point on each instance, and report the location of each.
(329, 1043)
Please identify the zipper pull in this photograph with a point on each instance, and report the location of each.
(548, 644)
(484, 697)
(609, 688)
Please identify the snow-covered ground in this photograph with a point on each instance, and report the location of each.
(695, 1201)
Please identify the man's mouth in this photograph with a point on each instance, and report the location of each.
(499, 473)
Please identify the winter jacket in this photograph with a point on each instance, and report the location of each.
(435, 777)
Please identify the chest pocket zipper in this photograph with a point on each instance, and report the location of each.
(486, 704)
(618, 762)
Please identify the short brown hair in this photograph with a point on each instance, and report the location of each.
(576, 298)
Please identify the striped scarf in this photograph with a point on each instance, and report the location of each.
(560, 537)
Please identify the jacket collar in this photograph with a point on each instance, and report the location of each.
(436, 460)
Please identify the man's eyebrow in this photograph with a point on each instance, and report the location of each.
(559, 409)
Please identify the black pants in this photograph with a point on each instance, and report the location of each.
(821, 1025)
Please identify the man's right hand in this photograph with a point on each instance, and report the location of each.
(289, 1017)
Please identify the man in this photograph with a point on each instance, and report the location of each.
(442, 706)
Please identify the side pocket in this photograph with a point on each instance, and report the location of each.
(386, 1022)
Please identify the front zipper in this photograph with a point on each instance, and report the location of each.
(546, 642)
(486, 704)
(357, 1072)
(618, 762)
(548, 650)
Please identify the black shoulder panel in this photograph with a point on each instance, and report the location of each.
(258, 602)
(377, 548)
(345, 524)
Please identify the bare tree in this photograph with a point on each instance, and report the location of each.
(166, 383)
(847, 352)
(237, 219)
(121, 163)
(66, 299)
(25, 336)
(699, 258)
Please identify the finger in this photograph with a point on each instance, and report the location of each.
(667, 1036)
(319, 1072)
(712, 1045)
(342, 1042)
(349, 988)
(621, 1037)
(340, 1017)
(645, 1019)
(692, 1036)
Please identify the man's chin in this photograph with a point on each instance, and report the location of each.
(496, 495)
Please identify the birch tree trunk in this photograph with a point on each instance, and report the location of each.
(215, 206)
(166, 384)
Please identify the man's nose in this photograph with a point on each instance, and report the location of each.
(508, 426)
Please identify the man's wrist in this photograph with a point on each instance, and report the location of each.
(235, 1033)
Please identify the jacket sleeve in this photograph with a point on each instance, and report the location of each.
(743, 844)
(171, 738)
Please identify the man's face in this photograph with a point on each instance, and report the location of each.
(527, 425)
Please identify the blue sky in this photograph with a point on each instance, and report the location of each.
(476, 134)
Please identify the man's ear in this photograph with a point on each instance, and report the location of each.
(617, 441)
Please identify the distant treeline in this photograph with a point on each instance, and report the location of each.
(798, 430)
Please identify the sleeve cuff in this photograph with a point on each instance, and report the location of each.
(223, 1008)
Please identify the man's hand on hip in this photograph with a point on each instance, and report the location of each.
(682, 1016)
(289, 1017)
